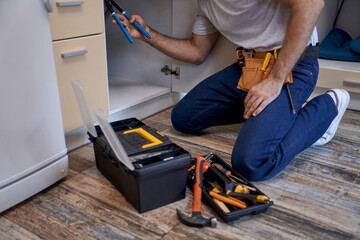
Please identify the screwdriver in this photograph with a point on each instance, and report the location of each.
(287, 88)
(241, 189)
(234, 178)
(215, 193)
(266, 61)
(253, 197)
(290, 99)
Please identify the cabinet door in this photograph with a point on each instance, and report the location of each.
(82, 59)
(222, 55)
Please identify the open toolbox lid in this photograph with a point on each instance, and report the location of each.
(108, 131)
(113, 140)
(83, 107)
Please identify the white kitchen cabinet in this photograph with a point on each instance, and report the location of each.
(77, 29)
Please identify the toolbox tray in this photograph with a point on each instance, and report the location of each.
(132, 142)
(252, 208)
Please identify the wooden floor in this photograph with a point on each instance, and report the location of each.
(316, 197)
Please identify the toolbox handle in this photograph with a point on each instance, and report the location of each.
(145, 134)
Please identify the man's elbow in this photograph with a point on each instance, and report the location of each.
(198, 59)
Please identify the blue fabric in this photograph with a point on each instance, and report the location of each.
(339, 45)
(268, 142)
(355, 45)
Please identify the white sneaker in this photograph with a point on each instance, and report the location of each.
(342, 101)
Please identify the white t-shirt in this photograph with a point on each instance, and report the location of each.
(252, 24)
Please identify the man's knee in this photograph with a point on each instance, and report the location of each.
(180, 120)
(245, 163)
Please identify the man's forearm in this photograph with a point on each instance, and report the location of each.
(304, 15)
(186, 50)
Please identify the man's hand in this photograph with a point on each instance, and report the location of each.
(260, 95)
(132, 30)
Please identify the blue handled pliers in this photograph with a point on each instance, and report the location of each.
(109, 4)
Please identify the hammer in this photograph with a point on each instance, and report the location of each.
(196, 219)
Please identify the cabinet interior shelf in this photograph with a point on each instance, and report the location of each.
(125, 93)
(354, 66)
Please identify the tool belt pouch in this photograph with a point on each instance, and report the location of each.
(253, 73)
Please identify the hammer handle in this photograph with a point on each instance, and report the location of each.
(198, 183)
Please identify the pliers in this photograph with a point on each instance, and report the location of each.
(109, 4)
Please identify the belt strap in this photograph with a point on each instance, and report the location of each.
(310, 53)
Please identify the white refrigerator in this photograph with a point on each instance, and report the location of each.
(32, 145)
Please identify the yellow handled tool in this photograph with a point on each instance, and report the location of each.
(253, 197)
(145, 134)
(241, 189)
(266, 61)
(215, 193)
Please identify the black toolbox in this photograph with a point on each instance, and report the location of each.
(158, 168)
(156, 180)
(215, 178)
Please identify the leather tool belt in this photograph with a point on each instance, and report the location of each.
(257, 65)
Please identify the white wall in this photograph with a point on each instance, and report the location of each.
(349, 18)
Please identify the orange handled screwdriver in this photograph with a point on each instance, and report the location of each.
(215, 193)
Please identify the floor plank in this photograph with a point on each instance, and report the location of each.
(12, 231)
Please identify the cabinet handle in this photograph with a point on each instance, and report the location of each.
(351, 83)
(69, 4)
(73, 54)
(49, 5)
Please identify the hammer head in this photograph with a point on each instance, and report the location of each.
(196, 220)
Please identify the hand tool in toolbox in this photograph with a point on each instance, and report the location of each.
(196, 219)
(215, 193)
(236, 180)
(147, 183)
(219, 180)
(253, 197)
(109, 4)
(206, 165)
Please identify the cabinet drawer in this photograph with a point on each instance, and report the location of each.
(84, 60)
(339, 78)
(72, 18)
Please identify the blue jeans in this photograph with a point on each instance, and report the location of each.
(268, 142)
